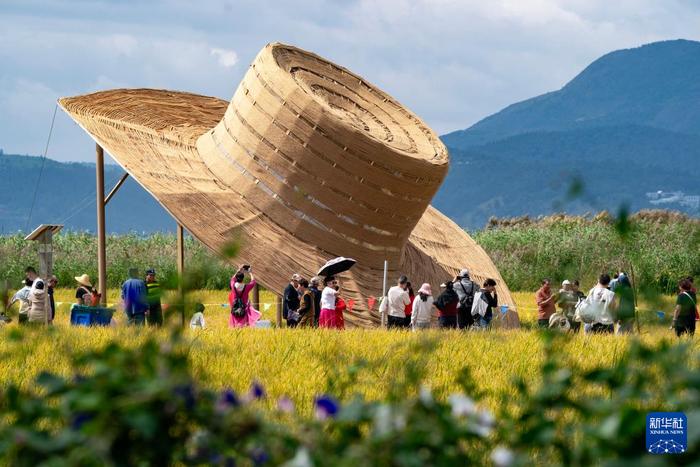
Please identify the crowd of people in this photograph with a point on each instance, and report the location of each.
(461, 304)
(36, 300)
(609, 307)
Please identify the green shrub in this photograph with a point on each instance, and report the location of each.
(657, 248)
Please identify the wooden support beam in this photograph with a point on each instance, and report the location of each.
(256, 297)
(114, 190)
(279, 311)
(101, 236)
(181, 267)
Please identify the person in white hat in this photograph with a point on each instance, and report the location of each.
(83, 294)
(291, 301)
(567, 300)
(465, 288)
(422, 308)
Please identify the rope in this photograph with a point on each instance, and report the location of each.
(85, 202)
(41, 170)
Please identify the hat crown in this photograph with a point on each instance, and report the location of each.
(318, 147)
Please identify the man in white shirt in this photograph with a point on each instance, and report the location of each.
(397, 300)
(604, 298)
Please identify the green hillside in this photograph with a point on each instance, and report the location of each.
(654, 85)
(625, 127)
(66, 195)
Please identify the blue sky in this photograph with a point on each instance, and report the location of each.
(452, 62)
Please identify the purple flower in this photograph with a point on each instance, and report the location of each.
(326, 407)
(285, 404)
(227, 400)
(257, 391)
(259, 456)
(230, 398)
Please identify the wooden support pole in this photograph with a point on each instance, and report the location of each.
(181, 267)
(101, 236)
(256, 297)
(279, 311)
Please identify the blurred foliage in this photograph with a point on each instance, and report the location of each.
(583, 416)
(141, 405)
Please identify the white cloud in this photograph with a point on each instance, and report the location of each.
(226, 58)
(452, 62)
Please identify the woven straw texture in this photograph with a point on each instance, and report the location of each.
(307, 162)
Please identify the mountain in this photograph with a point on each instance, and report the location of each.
(66, 195)
(624, 131)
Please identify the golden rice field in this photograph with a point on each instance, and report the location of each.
(298, 363)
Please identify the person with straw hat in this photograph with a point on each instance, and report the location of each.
(84, 292)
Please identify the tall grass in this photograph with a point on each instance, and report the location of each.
(75, 253)
(297, 362)
(657, 248)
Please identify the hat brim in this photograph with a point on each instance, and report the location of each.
(157, 137)
(80, 281)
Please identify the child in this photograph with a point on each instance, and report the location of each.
(197, 320)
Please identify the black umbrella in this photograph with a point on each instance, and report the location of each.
(336, 266)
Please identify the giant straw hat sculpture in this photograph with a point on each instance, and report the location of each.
(307, 162)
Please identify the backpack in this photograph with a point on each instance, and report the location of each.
(238, 307)
(467, 301)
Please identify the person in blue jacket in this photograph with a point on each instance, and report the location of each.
(134, 297)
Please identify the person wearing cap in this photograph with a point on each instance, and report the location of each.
(422, 311)
(84, 292)
(567, 300)
(155, 312)
(546, 303)
(291, 302)
(466, 289)
(135, 298)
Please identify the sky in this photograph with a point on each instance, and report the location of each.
(453, 62)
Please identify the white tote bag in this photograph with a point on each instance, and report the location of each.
(479, 306)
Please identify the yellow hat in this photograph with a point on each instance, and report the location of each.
(84, 280)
